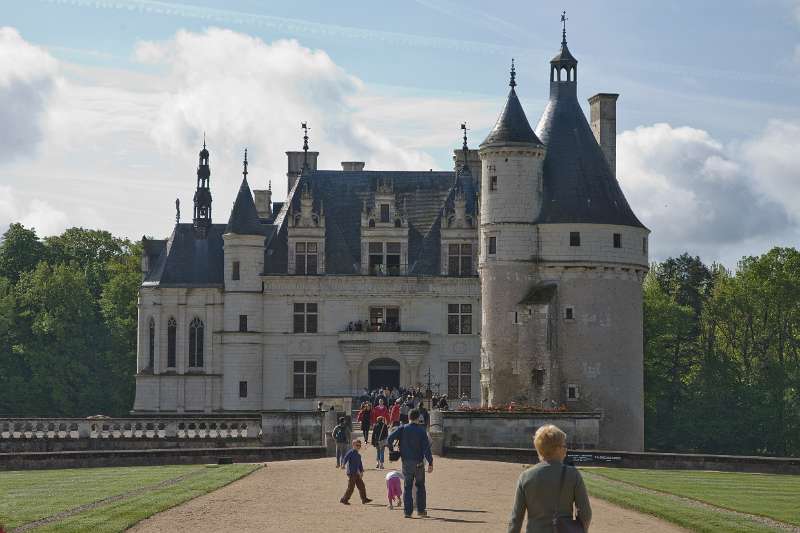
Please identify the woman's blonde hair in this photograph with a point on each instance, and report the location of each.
(547, 440)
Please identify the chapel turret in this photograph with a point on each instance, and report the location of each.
(202, 195)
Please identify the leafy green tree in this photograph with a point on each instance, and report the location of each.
(91, 250)
(20, 251)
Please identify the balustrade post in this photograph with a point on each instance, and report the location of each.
(328, 423)
(171, 429)
(84, 429)
(436, 431)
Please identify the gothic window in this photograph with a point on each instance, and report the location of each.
(617, 240)
(459, 260)
(492, 183)
(172, 331)
(574, 238)
(304, 379)
(242, 389)
(243, 323)
(235, 271)
(384, 259)
(384, 212)
(492, 245)
(151, 344)
(196, 329)
(384, 318)
(459, 379)
(459, 319)
(305, 258)
(305, 318)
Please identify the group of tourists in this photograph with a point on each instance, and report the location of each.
(414, 449)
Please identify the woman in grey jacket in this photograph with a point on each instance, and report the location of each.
(537, 489)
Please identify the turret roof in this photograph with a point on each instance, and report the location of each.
(244, 216)
(512, 126)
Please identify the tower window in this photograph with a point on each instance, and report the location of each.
(243, 323)
(172, 329)
(492, 183)
(242, 389)
(537, 377)
(235, 271)
(572, 393)
(574, 238)
(569, 313)
(305, 318)
(196, 330)
(492, 245)
(384, 212)
(617, 240)
(459, 319)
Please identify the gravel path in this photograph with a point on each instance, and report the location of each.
(304, 496)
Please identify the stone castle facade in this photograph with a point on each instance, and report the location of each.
(515, 277)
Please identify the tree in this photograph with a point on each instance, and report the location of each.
(91, 250)
(20, 251)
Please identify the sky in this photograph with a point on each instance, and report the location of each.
(104, 103)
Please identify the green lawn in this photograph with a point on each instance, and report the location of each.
(774, 496)
(26, 496)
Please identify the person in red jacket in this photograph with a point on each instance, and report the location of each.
(394, 412)
(380, 410)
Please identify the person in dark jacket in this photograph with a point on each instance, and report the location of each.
(379, 435)
(415, 449)
(365, 417)
(341, 435)
(355, 473)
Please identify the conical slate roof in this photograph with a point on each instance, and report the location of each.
(244, 216)
(512, 126)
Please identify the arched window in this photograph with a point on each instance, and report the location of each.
(151, 344)
(196, 343)
(172, 330)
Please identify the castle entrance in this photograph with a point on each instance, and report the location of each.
(384, 373)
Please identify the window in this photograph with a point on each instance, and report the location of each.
(384, 264)
(242, 389)
(305, 379)
(617, 240)
(151, 344)
(574, 238)
(243, 323)
(492, 245)
(459, 260)
(569, 313)
(537, 377)
(492, 183)
(196, 343)
(235, 271)
(172, 330)
(459, 379)
(459, 319)
(384, 318)
(572, 393)
(305, 258)
(305, 318)
(644, 245)
(384, 212)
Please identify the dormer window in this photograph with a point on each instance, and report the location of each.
(384, 259)
(459, 260)
(384, 212)
(305, 258)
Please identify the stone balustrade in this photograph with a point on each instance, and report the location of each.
(131, 428)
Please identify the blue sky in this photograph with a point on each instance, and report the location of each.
(708, 114)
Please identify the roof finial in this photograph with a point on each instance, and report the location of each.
(177, 210)
(204, 139)
(564, 20)
(464, 127)
(513, 82)
(269, 186)
(304, 125)
(244, 172)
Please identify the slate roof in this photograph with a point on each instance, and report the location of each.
(189, 261)
(424, 196)
(564, 55)
(244, 215)
(512, 125)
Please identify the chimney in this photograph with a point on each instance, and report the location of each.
(603, 108)
(352, 166)
(263, 200)
(296, 166)
(474, 162)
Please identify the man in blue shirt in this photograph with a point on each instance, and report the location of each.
(415, 448)
(355, 471)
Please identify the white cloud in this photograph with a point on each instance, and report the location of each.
(700, 196)
(37, 214)
(27, 77)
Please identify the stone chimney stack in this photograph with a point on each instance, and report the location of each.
(263, 200)
(353, 166)
(603, 108)
(296, 166)
(474, 162)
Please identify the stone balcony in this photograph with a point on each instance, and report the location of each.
(385, 337)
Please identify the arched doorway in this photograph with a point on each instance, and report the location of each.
(384, 373)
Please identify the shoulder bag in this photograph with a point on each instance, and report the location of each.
(560, 523)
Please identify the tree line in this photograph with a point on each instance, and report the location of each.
(722, 372)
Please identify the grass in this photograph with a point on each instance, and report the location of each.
(699, 519)
(770, 495)
(26, 496)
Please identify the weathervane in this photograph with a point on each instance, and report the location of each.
(564, 20)
(304, 125)
(464, 128)
(513, 82)
(244, 172)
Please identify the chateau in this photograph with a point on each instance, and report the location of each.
(515, 277)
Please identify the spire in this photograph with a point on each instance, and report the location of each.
(244, 215)
(564, 20)
(244, 171)
(202, 195)
(512, 126)
(564, 59)
(464, 149)
(304, 125)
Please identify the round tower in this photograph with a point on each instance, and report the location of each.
(511, 197)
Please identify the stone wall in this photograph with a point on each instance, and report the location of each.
(513, 430)
(292, 428)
